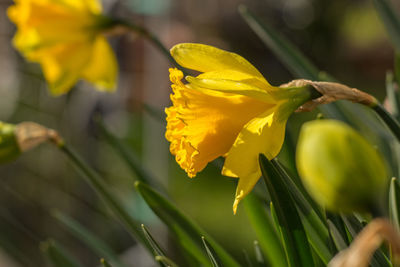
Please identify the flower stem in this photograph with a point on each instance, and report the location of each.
(97, 183)
(152, 38)
(389, 120)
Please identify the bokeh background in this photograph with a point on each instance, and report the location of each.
(344, 38)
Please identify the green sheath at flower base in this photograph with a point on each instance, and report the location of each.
(9, 149)
(339, 168)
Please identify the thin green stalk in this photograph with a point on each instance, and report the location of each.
(129, 158)
(97, 183)
(145, 33)
(389, 120)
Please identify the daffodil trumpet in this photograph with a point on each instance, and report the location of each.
(228, 110)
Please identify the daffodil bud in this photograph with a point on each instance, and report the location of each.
(9, 148)
(339, 168)
(16, 139)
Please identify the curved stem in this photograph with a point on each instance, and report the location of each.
(152, 38)
(389, 120)
(101, 189)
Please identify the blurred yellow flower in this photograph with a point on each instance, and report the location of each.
(228, 110)
(65, 37)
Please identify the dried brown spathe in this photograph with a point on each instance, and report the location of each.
(330, 92)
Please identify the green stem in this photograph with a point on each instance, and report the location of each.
(130, 159)
(152, 38)
(306, 92)
(295, 97)
(102, 190)
(389, 120)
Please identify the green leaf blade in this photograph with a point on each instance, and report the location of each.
(292, 231)
(97, 245)
(394, 198)
(105, 263)
(270, 243)
(57, 255)
(213, 258)
(153, 243)
(283, 49)
(189, 234)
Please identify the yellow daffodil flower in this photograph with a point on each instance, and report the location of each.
(65, 37)
(228, 110)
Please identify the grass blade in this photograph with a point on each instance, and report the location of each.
(94, 180)
(105, 263)
(397, 67)
(394, 198)
(392, 95)
(270, 243)
(274, 218)
(210, 253)
(337, 236)
(187, 232)
(320, 244)
(311, 217)
(292, 231)
(337, 220)
(57, 256)
(130, 159)
(156, 247)
(259, 255)
(165, 261)
(101, 248)
(301, 197)
(294, 61)
(353, 225)
(247, 259)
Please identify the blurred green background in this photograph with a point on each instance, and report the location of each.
(344, 38)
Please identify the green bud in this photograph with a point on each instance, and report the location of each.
(9, 148)
(339, 168)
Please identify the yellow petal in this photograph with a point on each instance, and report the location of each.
(103, 68)
(263, 134)
(63, 65)
(245, 185)
(205, 58)
(92, 6)
(233, 87)
(235, 75)
(201, 126)
(64, 37)
(42, 24)
(226, 74)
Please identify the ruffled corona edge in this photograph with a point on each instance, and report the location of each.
(180, 145)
